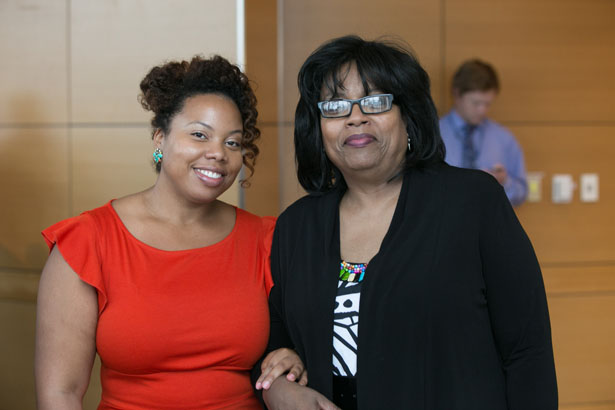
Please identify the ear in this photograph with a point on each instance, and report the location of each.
(157, 138)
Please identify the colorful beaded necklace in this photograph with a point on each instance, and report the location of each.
(352, 272)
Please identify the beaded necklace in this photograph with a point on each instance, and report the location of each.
(352, 272)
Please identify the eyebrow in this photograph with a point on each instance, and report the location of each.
(204, 124)
(343, 96)
(340, 92)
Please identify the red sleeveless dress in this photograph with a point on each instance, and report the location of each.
(176, 329)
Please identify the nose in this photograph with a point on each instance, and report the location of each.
(215, 150)
(483, 108)
(356, 116)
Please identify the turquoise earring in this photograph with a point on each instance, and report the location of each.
(157, 155)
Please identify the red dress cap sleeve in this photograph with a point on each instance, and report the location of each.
(268, 228)
(77, 241)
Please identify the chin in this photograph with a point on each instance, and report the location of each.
(209, 196)
(361, 165)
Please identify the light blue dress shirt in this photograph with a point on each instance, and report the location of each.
(494, 144)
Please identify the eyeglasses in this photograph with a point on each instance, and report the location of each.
(370, 104)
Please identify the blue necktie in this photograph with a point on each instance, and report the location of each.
(469, 153)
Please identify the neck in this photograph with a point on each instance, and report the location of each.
(163, 202)
(365, 192)
(465, 120)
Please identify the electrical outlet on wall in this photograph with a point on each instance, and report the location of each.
(589, 188)
(562, 187)
(534, 186)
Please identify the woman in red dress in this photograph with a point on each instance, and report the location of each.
(168, 285)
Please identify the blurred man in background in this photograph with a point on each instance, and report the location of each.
(474, 141)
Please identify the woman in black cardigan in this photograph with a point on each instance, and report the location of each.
(402, 282)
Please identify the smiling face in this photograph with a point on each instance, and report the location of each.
(363, 143)
(202, 151)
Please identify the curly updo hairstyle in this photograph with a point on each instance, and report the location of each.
(166, 87)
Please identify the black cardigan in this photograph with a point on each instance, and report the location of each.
(453, 313)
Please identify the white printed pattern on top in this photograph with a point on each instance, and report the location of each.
(346, 328)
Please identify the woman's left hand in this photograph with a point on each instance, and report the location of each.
(278, 362)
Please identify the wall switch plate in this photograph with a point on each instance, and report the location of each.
(534, 186)
(562, 187)
(589, 188)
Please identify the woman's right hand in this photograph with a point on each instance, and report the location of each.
(278, 362)
(287, 395)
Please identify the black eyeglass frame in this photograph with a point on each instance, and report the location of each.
(357, 101)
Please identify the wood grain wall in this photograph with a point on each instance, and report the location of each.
(556, 60)
(72, 134)
(262, 197)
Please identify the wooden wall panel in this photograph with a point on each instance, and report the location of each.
(17, 355)
(571, 280)
(261, 197)
(290, 190)
(33, 43)
(306, 25)
(577, 231)
(556, 58)
(599, 406)
(262, 56)
(18, 285)
(582, 307)
(35, 185)
(583, 338)
(116, 43)
(110, 163)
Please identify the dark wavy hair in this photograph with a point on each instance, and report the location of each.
(382, 64)
(165, 88)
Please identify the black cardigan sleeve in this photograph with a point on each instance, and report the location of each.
(278, 333)
(517, 308)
